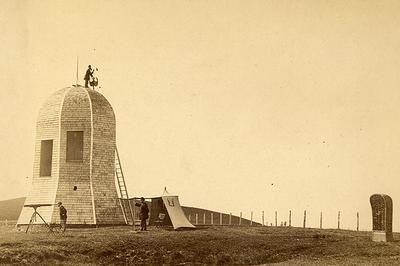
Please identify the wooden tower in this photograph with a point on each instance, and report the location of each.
(74, 161)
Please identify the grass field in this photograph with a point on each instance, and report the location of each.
(212, 245)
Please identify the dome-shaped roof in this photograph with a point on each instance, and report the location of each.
(76, 101)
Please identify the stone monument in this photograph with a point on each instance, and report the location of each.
(382, 216)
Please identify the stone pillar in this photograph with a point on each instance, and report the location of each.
(382, 216)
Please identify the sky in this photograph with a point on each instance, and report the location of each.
(236, 106)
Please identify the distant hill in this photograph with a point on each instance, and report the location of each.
(204, 217)
(10, 209)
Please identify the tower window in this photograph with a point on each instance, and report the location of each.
(46, 155)
(74, 145)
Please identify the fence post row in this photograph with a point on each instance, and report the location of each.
(264, 223)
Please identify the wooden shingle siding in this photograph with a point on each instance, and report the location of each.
(108, 210)
(43, 189)
(78, 184)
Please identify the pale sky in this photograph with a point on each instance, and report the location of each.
(218, 100)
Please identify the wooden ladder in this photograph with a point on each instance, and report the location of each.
(123, 191)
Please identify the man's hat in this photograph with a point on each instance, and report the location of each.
(59, 203)
(141, 198)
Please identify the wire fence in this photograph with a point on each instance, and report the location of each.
(218, 218)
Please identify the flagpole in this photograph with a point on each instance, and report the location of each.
(77, 69)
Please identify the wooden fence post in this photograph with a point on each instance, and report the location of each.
(197, 218)
(290, 218)
(320, 220)
(338, 220)
(358, 221)
(240, 219)
(220, 218)
(204, 218)
(305, 219)
(251, 218)
(262, 218)
(230, 218)
(212, 218)
(276, 218)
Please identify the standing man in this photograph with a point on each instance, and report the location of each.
(63, 216)
(143, 214)
(89, 73)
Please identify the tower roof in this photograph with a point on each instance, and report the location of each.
(77, 96)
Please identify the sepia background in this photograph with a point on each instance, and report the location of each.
(232, 105)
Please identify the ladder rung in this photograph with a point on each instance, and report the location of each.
(121, 183)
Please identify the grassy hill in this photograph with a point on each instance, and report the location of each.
(10, 209)
(213, 245)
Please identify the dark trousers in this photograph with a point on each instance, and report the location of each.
(63, 224)
(86, 83)
(143, 225)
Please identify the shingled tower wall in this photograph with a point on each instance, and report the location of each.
(86, 183)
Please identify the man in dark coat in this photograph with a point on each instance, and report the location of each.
(89, 73)
(63, 216)
(143, 214)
